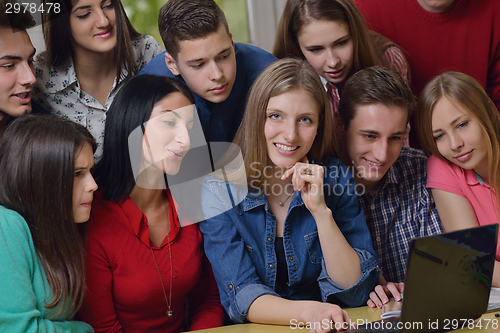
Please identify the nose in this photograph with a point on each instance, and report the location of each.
(332, 59)
(290, 132)
(102, 20)
(27, 75)
(456, 141)
(92, 185)
(380, 150)
(182, 137)
(216, 73)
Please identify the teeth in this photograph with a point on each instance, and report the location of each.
(22, 96)
(287, 148)
(374, 164)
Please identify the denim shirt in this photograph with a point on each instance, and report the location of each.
(240, 244)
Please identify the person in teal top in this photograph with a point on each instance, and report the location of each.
(46, 188)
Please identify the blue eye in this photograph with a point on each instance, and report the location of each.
(462, 125)
(306, 120)
(438, 137)
(274, 116)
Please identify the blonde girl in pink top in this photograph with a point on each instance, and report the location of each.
(460, 126)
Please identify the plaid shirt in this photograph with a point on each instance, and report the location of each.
(401, 209)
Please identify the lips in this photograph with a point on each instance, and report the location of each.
(23, 97)
(335, 74)
(464, 157)
(87, 204)
(104, 35)
(286, 150)
(219, 89)
(373, 165)
(177, 154)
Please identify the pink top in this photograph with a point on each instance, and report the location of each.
(449, 177)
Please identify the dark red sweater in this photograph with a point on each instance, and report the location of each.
(124, 288)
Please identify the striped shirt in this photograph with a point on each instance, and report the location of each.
(401, 209)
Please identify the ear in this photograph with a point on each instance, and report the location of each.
(339, 124)
(171, 64)
(231, 37)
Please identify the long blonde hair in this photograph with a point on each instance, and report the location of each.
(279, 77)
(469, 94)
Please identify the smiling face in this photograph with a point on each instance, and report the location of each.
(208, 65)
(328, 47)
(459, 137)
(373, 142)
(292, 120)
(16, 73)
(83, 184)
(93, 26)
(166, 136)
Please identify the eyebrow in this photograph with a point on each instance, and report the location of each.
(201, 59)
(16, 57)
(456, 120)
(334, 42)
(85, 7)
(378, 133)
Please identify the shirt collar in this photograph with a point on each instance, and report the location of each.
(61, 78)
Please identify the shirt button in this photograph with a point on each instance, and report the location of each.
(287, 228)
(271, 266)
(291, 258)
(270, 239)
(230, 287)
(377, 239)
(373, 207)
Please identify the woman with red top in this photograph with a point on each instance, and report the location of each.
(145, 272)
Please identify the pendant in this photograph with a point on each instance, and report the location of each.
(170, 313)
(280, 203)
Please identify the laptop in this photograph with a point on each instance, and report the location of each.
(448, 282)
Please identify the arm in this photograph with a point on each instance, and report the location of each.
(23, 286)
(99, 310)
(204, 303)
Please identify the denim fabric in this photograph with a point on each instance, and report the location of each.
(239, 242)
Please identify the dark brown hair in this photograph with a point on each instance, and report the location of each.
(17, 21)
(374, 85)
(298, 13)
(57, 35)
(279, 77)
(468, 93)
(181, 20)
(37, 167)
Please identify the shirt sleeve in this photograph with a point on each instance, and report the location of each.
(145, 50)
(394, 57)
(99, 310)
(18, 301)
(204, 302)
(343, 201)
(441, 176)
(239, 285)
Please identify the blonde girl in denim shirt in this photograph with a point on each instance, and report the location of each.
(298, 241)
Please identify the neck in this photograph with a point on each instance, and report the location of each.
(93, 65)
(276, 187)
(147, 200)
(151, 178)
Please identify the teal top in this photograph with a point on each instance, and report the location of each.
(24, 289)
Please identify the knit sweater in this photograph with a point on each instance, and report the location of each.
(125, 292)
(465, 38)
(24, 290)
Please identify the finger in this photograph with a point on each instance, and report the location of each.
(393, 289)
(381, 294)
(288, 172)
(340, 319)
(370, 303)
(401, 287)
(375, 299)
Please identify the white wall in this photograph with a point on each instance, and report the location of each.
(263, 19)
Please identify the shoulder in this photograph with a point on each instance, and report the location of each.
(157, 66)
(145, 42)
(226, 193)
(410, 165)
(252, 56)
(14, 231)
(335, 170)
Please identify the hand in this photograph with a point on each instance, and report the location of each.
(308, 178)
(381, 294)
(325, 316)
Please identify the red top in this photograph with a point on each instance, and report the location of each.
(124, 291)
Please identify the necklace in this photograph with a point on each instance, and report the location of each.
(281, 203)
(169, 312)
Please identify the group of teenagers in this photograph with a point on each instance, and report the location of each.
(312, 212)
